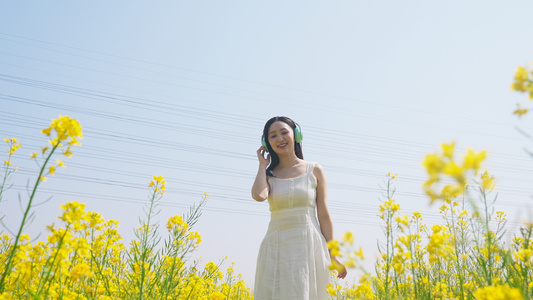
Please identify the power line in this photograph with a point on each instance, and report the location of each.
(194, 112)
(119, 155)
(329, 96)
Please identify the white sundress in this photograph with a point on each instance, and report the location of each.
(293, 258)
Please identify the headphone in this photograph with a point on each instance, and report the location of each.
(298, 137)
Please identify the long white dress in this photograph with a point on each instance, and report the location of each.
(293, 258)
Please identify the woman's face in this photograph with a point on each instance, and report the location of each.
(281, 138)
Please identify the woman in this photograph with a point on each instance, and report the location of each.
(293, 258)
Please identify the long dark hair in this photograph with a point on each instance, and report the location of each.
(274, 158)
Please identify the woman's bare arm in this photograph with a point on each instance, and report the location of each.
(260, 187)
(324, 218)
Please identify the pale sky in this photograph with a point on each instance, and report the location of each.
(182, 89)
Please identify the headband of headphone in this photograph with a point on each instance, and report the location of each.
(298, 137)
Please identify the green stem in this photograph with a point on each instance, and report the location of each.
(489, 239)
(100, 268)
(26, 213)
(457, 254)
(144, 243)
(59, 245)
(6, 174)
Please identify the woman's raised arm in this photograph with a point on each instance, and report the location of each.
(260, 188)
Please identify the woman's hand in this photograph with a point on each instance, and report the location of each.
(341, 269)
(261, 156)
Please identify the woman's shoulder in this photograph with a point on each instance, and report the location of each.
(317, 169)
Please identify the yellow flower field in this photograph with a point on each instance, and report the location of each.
(84, 256)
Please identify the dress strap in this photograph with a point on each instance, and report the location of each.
(310, 167)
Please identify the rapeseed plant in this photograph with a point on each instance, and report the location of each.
(66, 130)
(464, 258)
(523, 82)
(83, 257)
(13, 145)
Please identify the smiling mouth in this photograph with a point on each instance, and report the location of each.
(282, 145)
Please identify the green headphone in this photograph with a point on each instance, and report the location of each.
(298, 137)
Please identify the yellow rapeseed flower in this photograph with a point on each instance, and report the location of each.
(348, 237)
(67, 152)
(404, 220)
(158, 179)
(334, 248)
(332, 291)
(524, 255)
(79, 270)
(447, 149)
(392, 176)
(498, 292)
(65, 128)
(217, 296)
(194, 235)
(487, 181)
(437, 241)
(74, 142)
(473, 160)
(454, 170)
(336, 266)
(60, 163)
(13, 145)
(451, 191)
(462, 223)
(74, 214)
(520, 111)
(14, 149)
(47, 131)
(360, 253)
(433, 163)
(24, 237)
(178, 223)
(521, 74)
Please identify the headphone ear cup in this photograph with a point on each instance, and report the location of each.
(298, 137)
(263, 142)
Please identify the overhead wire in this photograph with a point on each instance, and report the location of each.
(215, 75)
(204, 131)
(195, 148)
(147, 160)
(351, 136)
(199, 168)
(237, 119)
(340, 111)
(226, 170)
(75, 109)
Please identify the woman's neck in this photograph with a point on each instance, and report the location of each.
(288, 161)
